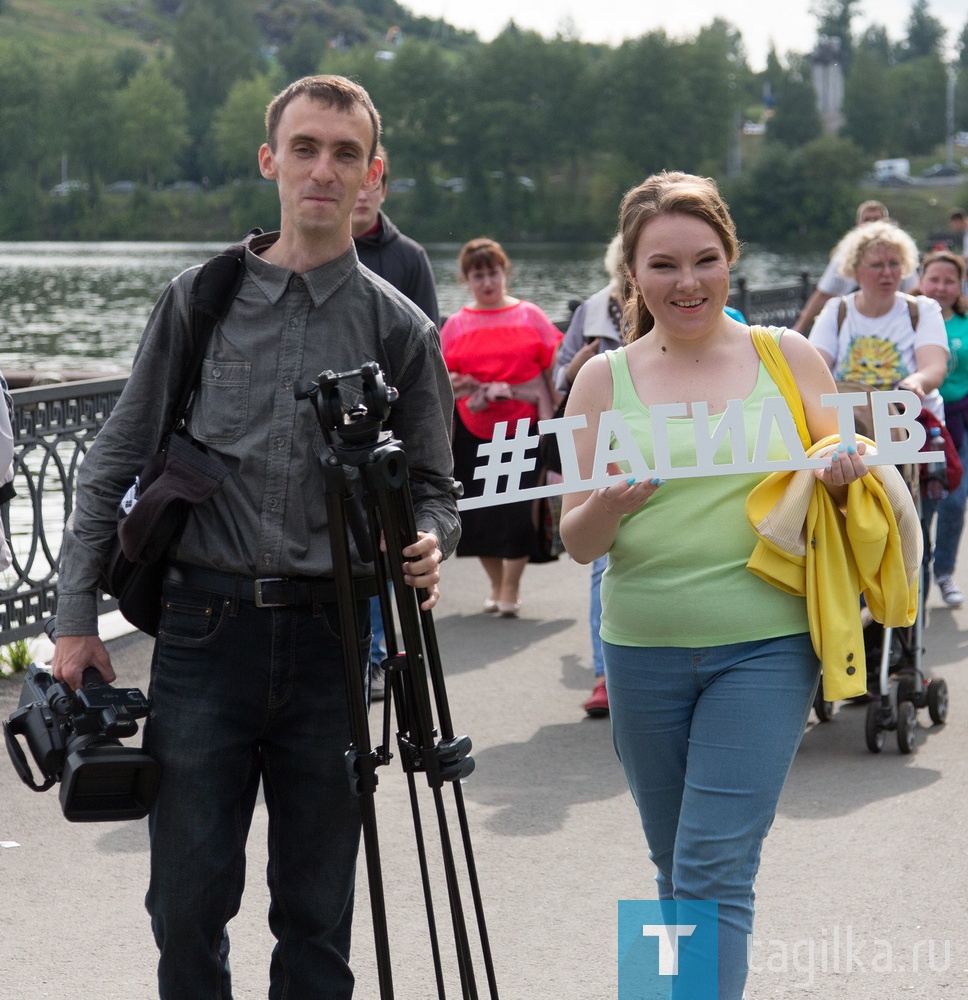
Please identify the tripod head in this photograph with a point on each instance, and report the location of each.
(358, 425)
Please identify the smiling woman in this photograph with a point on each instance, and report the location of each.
(710, 669)
(499, 353)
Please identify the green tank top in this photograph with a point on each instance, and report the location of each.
(677, 571)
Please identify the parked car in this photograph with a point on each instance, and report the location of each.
(66, 188)
(942, 170)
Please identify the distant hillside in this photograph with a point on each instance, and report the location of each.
(61, 29)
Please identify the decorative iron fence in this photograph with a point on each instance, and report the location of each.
(54, 425)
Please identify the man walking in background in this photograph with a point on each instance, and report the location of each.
(404, 263)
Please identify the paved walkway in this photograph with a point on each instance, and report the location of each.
(862, 890)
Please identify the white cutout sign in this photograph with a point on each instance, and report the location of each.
(507, 458)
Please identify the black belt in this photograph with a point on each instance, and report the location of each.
(265, 592)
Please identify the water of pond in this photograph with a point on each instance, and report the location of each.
(82, 306)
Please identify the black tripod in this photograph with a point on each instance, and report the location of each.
(355, 439)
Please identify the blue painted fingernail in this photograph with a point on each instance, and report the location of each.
(840, 447)
(631, 481)
(851, 450)
(836, 457)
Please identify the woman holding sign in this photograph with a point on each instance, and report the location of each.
(499, 352)
(711, 672)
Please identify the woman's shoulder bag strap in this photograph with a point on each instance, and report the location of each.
(779, 368)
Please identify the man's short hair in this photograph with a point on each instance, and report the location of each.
(871, 206)
(958, 214)
(336, 91)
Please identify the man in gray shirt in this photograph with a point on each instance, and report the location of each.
(243, 692)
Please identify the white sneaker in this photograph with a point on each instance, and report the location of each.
(951, 593)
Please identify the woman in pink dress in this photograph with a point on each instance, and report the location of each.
(499, 352)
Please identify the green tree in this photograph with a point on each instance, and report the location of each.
(875, 42)
(639, 113)
(301, 55)
(831, 168)
(803, 196)
(833, 21)
(925, 33)
(795, 119)
(239, 126)
(919, 96)
(87, 118)
(215, 44)
(718, 79)
(153, 126)
(870, 118)
(961, 84)
(26, 115)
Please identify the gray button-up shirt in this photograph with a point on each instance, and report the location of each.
(269, 518)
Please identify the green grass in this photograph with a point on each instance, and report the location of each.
(921, 211)
(63, 29)
(15, 658)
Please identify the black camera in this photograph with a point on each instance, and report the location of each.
(75, 739)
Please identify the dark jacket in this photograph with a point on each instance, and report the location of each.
(401, 261)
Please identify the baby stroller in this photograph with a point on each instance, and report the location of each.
(896, 682)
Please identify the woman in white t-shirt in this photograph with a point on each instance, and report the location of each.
(878, 335)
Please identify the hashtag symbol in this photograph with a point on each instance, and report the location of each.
(518, 462)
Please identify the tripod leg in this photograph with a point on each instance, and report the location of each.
(361, 763)
(396, 514)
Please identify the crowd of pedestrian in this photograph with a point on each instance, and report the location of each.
(706, 670)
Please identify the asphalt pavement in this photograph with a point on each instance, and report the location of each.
(861, 893)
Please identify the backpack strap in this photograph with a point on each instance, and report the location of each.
(841, 313)
(213, 291)
(913, 312)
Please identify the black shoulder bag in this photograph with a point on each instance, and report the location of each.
(153, 510)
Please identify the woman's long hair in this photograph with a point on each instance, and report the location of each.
(668, 193)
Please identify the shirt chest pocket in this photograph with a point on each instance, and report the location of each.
(221, 409)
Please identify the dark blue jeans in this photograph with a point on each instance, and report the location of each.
(240, 694)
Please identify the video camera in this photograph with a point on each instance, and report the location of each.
(75, 739)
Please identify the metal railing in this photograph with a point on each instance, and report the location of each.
(54, 425)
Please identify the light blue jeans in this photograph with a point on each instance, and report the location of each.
(706, 738)
(951, 522)
(595, 615)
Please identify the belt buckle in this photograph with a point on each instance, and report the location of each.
(259, 584)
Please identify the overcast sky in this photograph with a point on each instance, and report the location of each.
(788, 25)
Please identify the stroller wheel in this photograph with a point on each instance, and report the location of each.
(907, 726)
(873, 732)
(938, 701)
